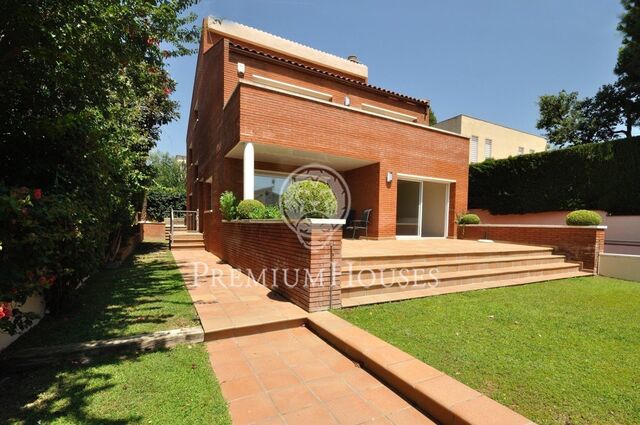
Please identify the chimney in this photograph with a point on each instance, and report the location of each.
(353, 58)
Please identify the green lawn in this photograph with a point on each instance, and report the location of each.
(562, 352)
(145, 294)
(174, 386)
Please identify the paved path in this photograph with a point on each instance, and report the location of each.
(270, 375)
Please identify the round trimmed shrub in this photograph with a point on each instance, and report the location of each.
(250, 208)
(309, 199)
(583, 218)
(469, 219)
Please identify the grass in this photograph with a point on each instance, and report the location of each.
(145, 294)
(174, 386)
(562, 352)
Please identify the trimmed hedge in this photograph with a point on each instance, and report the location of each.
(583, 218)
(469, 219)
(160, 202)
(309, 199)
(251, 208)
(601, 176)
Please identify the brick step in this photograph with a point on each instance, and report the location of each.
(187, 245)
(388, 270)
(187, 237)
(439, 257)
(370, 298)
(378, 286)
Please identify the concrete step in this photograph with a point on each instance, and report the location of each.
(367, 261)
(431, 279)
(445, 266)
(372, 298)
(187, 236)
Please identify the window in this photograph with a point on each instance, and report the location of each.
(473, 151)
(487, 148)
(268, 187)
(521, 150)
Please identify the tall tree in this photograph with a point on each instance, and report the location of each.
(168, 173)
(628, 65)
(561, 118)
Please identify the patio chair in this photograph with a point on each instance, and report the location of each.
(362, 224)
(349, 219)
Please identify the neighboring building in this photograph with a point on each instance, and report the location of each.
(182, 159)
(263, 106)
(489, 140)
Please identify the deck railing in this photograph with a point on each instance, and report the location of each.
(183, 220)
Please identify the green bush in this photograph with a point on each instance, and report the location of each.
(309, 199)
(583, 218)
(160, 201)
(469, 219)
(251, 208)
(228, 205)
(272, 212)
(598, 176)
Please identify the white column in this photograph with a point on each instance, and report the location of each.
(248, 160)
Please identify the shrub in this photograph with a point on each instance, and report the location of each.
(597, 176)
(309, 199)
(251, 208)
(583, 218)
(160, 201)
(228, 205)
(272, 211)
(469, 219)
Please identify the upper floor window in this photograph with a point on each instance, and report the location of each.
(473, 149)
(488, 146)
(521, 150)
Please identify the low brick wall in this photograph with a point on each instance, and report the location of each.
(577, 243)
(150, 231)
(300, 274)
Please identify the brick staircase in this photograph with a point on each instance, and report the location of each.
(184, 239)
(370, 279)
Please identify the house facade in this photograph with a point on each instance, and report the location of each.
(262, 106)
(489, 140)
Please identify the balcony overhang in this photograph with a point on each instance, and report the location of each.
(280, 155)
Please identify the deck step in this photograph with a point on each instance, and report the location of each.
(369, 298)
(368, 261)
(364, 271)
(406, 283)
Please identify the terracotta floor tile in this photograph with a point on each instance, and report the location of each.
(251, 409)
(232, 370)
(414, 371)
(300, 356)
(221, 344)
(311, 371)
(292, 398)
(266, 363)
(446, 391)
(330, 388)
(314, 415)
(258, 350)
(409, 416)
(485, 410)
(388, 355)
(225, 356)
(278, 379)
(384, 399)
(241, 387)
(274, 420)
(352, 410)
(360, 380)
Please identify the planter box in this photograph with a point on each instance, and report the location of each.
(306, 272)
(152, 231)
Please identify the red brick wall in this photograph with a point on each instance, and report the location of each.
(360, 182)
(152, 231)
(577, 243)
(256, 246)
(267, 117)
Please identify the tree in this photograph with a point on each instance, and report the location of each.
(561, 118)
(628, 65)
(84, 91)
(167, 172)
(433, 120)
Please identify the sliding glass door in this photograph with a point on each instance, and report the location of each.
(408, 204)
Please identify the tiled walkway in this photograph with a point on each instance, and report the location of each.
(228, 301)
(292, 376)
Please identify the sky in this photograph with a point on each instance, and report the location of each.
(490, 59)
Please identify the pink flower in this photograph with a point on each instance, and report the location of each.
(5, 311)
(167, 91)
(37, 193)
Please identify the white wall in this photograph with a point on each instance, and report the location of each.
(434, 199)
(620, 266)
(34, 304)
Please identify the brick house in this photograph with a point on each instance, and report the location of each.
(262, 106)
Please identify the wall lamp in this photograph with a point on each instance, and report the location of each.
(389, 176)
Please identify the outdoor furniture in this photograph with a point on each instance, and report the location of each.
(362, 224)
